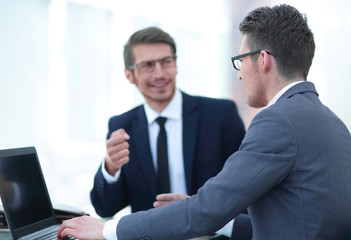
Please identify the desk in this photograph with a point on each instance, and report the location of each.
(5, 235)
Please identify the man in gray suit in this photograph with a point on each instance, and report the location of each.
(293, 169)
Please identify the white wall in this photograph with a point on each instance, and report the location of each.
(62, 75)
(330, 22)
(61, 71)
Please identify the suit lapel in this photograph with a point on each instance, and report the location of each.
(143, 153)
(190, 126)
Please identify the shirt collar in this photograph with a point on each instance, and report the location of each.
(172, 111)
(281, 92)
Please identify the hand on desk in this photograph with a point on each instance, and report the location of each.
(83, 228)
(166, 198)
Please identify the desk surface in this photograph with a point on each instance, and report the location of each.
(5, 235)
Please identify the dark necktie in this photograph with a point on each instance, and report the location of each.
(162, 158)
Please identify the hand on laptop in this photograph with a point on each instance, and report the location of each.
(166, 198)
(83, 228)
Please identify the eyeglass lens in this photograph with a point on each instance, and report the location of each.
(237, 64)
(149, 66)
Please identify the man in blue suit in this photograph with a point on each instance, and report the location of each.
(293, 169)
(128, 175)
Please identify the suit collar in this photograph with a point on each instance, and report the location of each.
(282, 91)
(299, 88)
(172, 111)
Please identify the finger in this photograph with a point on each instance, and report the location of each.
(113, 166)
(118, 151)
(66, 232)
(180, 196)
(117, 137)
(117, 142)
(120, 132)
(161, 203)
(118, 164)
(59, 232)
(172, 197)
(165, 197)
(67, 224)
(118, 156)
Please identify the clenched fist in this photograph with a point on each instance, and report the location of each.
(117, 151)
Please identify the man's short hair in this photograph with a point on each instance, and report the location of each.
(146, 36)
(284, 31)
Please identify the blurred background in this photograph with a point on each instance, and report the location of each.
(61, 71)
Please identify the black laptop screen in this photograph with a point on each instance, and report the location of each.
(23, 190)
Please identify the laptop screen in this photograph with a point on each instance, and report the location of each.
(23, 190)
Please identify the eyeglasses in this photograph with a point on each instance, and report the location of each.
(238, 59)
(149, 66)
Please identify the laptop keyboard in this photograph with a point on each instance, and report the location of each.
(52, 236)
(47, 236)
(49, 233)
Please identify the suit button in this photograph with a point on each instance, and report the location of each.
(147, 238)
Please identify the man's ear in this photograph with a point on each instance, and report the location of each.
(267, 61)
(129, 75)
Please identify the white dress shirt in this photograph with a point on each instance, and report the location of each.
(174, 129)
(281, 92)
(174, 126)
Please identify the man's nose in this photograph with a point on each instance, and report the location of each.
(158, 69)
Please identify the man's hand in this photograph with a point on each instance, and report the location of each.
(117, 151)
(83, 228)
(166, 198)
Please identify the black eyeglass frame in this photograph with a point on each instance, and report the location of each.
(135, 66)
(248, 54)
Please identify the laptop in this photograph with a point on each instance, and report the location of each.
(24, 195)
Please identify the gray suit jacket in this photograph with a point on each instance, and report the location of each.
(293, 171)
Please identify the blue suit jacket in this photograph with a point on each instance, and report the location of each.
(212, 131)
(293, 169)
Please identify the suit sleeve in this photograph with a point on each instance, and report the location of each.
(264, 159)
(106, 198)
(233, 132)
